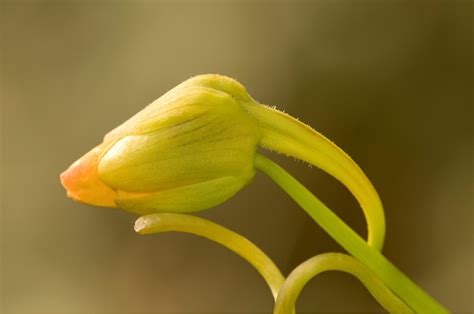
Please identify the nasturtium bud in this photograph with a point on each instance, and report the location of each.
(191, 149)
(195, 147)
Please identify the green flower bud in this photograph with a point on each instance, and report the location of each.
(191, 149)
(195, 147)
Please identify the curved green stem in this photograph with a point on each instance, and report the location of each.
(302, 274)
(164, 222)
(285, 134)
(393, 278)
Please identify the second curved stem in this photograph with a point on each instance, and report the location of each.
(300, 276)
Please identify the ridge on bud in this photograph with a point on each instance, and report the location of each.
(191, 149)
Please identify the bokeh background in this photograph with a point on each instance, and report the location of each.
(391, 82)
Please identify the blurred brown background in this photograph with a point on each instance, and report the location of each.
(389, 81)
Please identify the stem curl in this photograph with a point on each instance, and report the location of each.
(302, 274)
(165, 222)
(285, 134)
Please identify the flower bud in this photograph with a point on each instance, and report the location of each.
(194, 147)
(191, 149)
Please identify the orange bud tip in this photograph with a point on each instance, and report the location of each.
(82, 183)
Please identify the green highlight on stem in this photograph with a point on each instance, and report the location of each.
(283, 133)
(399, 283)
(302, 274)
(166, 222)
